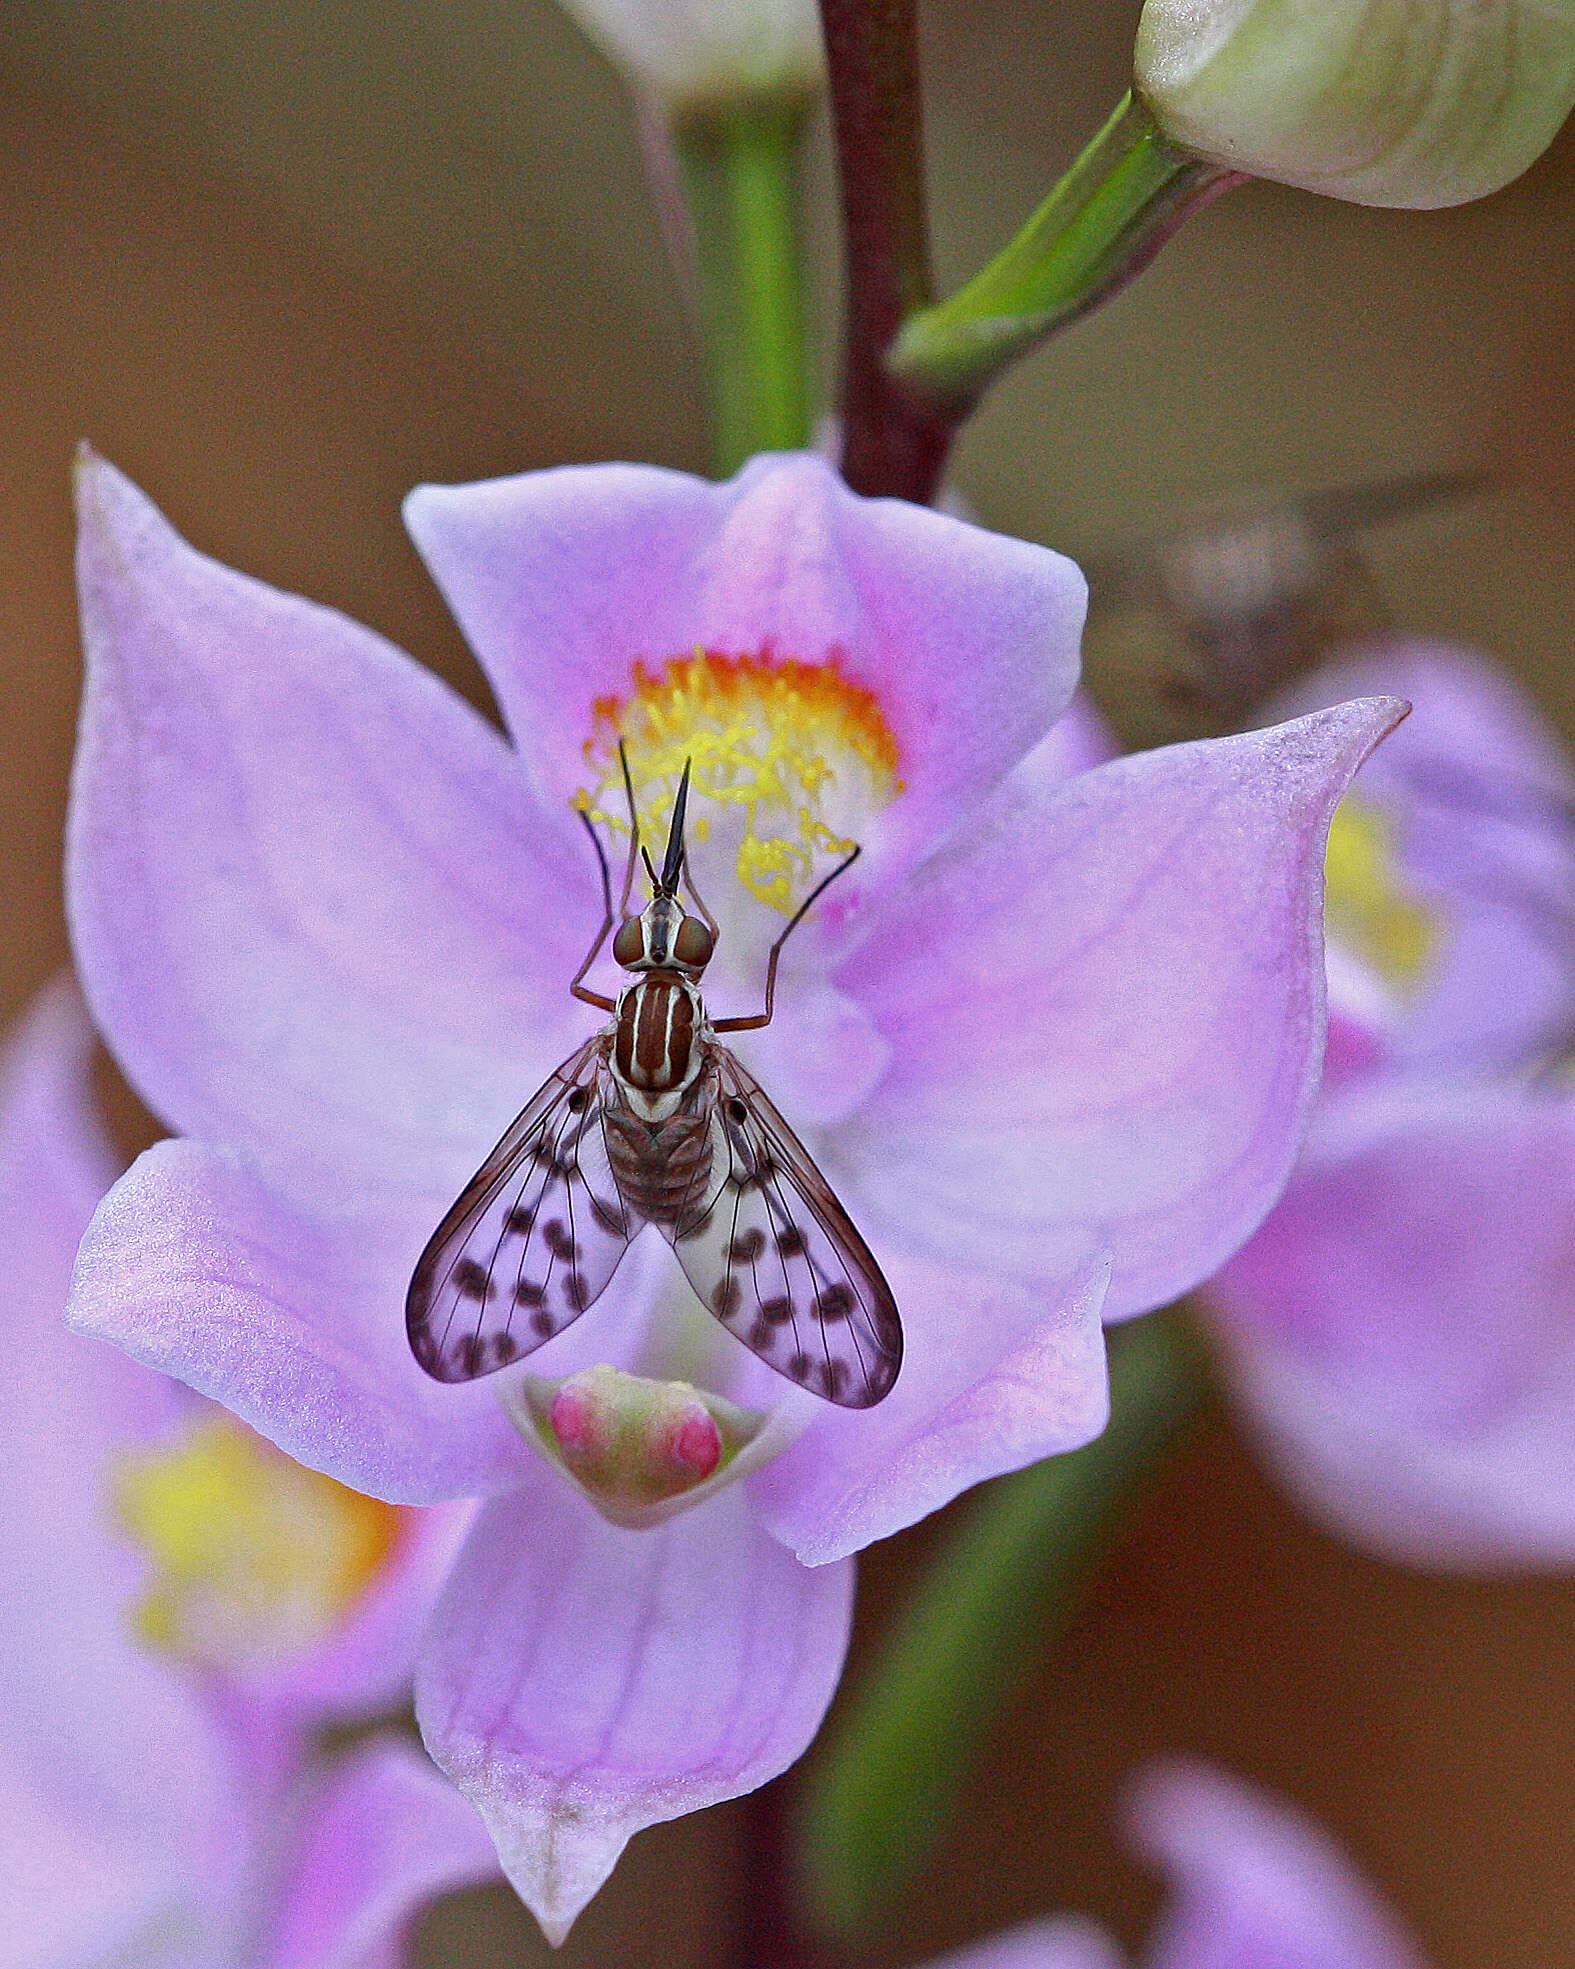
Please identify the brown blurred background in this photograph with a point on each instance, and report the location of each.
(283, 261)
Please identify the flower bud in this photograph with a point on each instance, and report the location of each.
(1385, 102)
(709, 54)
(637, 1448)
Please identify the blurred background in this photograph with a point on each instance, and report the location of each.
(281, 262)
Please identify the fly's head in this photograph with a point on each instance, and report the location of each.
(664, 936)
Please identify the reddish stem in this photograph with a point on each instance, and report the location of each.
(891, 442)
(770, 1933)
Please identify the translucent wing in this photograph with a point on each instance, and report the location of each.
(534, 1238)
(774, 1255)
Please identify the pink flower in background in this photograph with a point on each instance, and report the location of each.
(1052, 1041)
(1400, 1329)
(1252, 1886)
(181, 1608)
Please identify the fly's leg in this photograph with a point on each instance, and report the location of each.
(756, 1019)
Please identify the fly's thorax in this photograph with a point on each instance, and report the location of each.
(659, 1035)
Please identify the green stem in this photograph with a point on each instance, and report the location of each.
(739, 176)
(1101, 225)
(999, 1594)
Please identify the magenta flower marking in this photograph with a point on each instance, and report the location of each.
(1252, 1886)
(1399, 1329)
(162, 1803)
(1050, 1039)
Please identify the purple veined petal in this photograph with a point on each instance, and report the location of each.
(123, 1817)
(1065, 1942)
(196, 1268)
(1481, 798)
(1105, 1006)
(563, 579)
(384, 1836)
(993, 1377)
(304, 876)
(583, 1681)
(1399, 1328)
(1253, 1885)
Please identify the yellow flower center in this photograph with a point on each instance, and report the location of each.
(787, 761)
(1369, 907)
(254, 1558)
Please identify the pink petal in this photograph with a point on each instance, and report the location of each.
(562, 580)
(305, 877)
(1105, 1009)
(1067, 1942)
(1253, 1885)
(1482, 800)
(194, 1267)
(583, 1681)
(1399, 1329)
(118, 1794)
(993, 1377)
(386, 1835)
(1077, 742)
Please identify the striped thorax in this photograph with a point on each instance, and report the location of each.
(658, 1042)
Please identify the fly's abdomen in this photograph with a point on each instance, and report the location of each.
(661, 1168)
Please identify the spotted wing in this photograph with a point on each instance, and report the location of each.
(533, 1239)
(774, 1255)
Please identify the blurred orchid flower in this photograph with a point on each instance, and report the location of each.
(1399, 1329)
(1252, 1886)
(182, 1606)
(1418, 103)
(1052, 1040)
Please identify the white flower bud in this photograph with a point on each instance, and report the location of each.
(1385, 102)
(708, 54)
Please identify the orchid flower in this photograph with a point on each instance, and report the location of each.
(1051, 1040)
(1399, 1329)
(1252, 1886)
(182, 1605)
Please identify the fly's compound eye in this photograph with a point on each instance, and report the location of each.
(693, 945)
(629, 944)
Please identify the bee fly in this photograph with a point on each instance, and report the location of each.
(653, 1121)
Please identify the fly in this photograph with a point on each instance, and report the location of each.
(653, 1121)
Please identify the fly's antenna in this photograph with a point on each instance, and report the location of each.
(673, 859)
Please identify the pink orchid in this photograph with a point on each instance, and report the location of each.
(1253, 1886)
(164, 1804)
(1052, 1040)
(1399, 1329)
